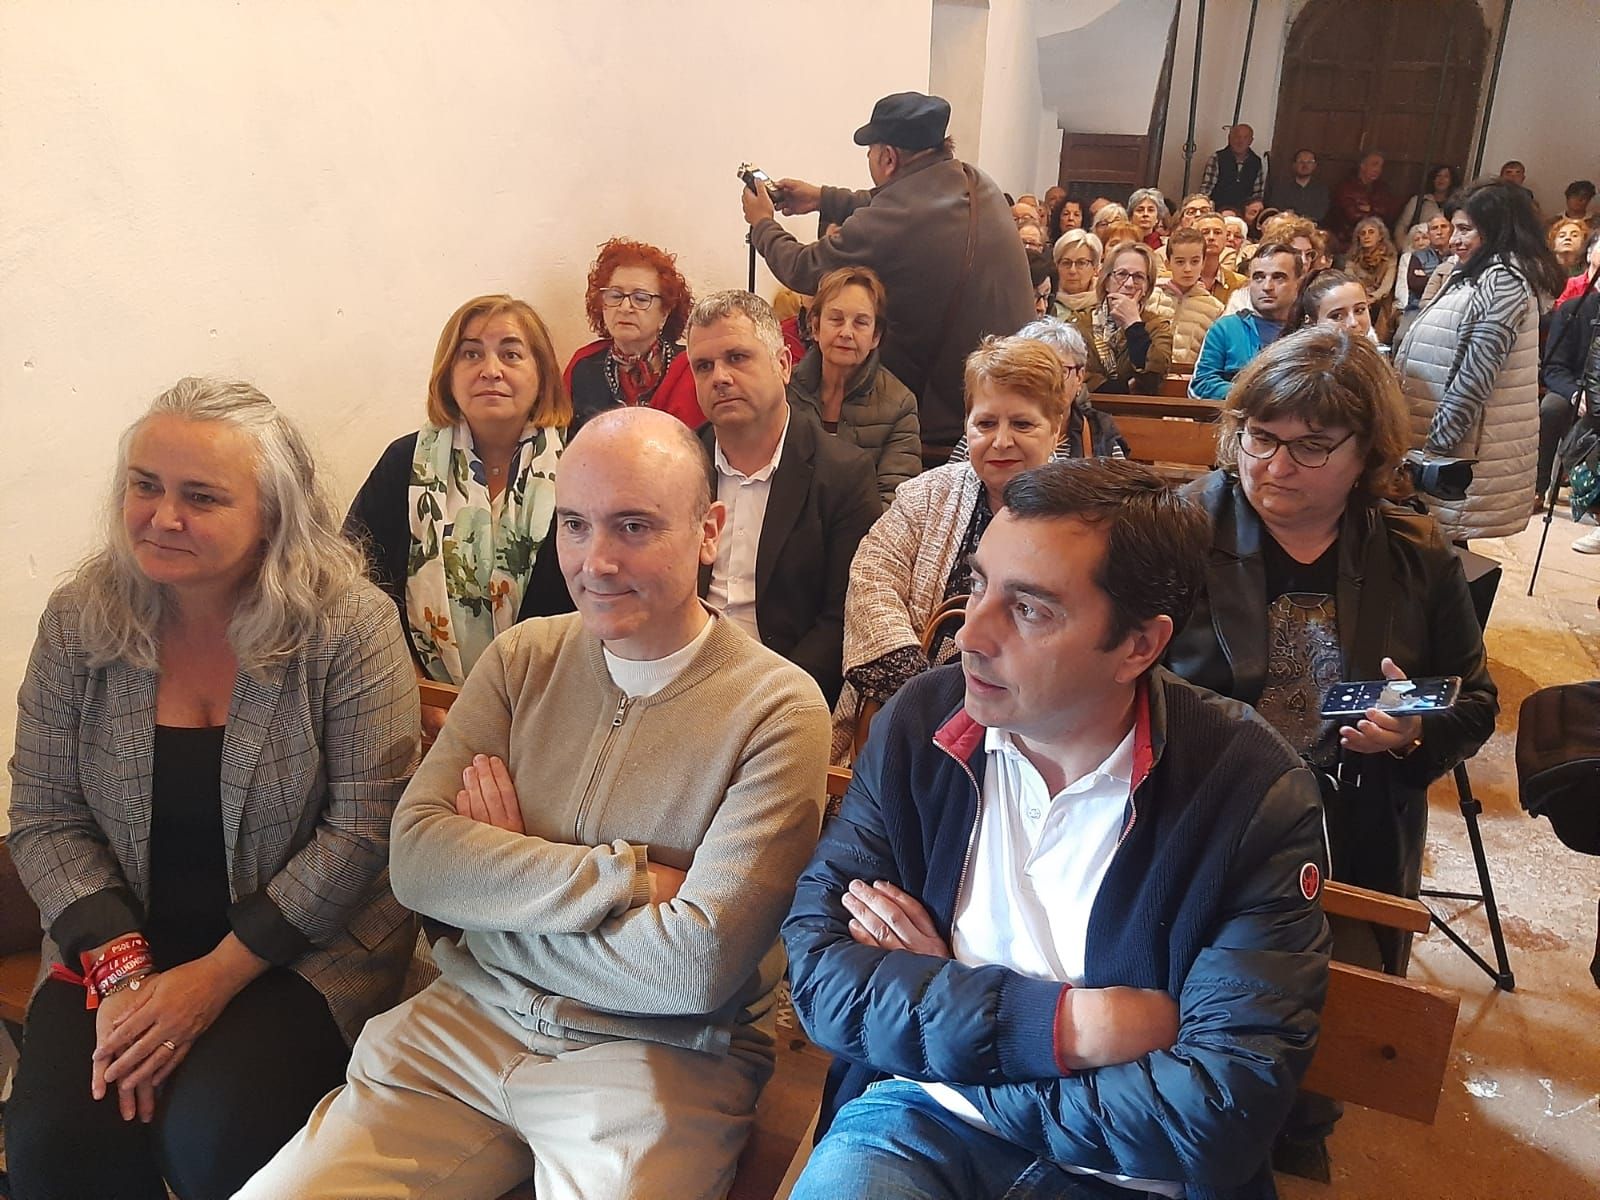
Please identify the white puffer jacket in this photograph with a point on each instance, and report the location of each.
(1505, 436)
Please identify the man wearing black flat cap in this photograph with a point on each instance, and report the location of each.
(937, 231)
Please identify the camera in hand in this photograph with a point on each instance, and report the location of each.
(1441, 478)
(755, 177)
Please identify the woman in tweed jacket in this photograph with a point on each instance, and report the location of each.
(915, 556)
(216, 723)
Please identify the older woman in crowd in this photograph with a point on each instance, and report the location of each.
(1373, 261)
(915, 556)
(1077, 255)
(1088, 431)
(1065, 216)
(457, 517)
(1470, 361)
(217, 720)
(1129, 349)
(637, 303)
(842, 382)
(1108, 215)
(1147, 210)
(1566, 240)
(1318, 576)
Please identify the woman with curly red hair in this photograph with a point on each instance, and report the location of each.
(638, 303)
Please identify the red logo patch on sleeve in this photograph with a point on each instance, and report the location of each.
(1310, 881)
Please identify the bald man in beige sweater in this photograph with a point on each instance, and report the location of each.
(615, 814)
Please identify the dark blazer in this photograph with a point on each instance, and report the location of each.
(1401, 593)
(379, 522)
(824, 498)
(1567, 350)
(318, 749)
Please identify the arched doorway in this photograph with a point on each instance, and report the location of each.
(1363, 75)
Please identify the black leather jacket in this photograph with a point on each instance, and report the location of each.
(1401, 593)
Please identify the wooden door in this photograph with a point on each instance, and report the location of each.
(1365, 75)
(1103, 164)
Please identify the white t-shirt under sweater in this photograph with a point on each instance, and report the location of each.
(647, 677)
(1037, 865)
(733, 575)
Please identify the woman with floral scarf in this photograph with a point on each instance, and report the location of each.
(457, 518)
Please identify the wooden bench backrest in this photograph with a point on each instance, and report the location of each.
(1170, 440)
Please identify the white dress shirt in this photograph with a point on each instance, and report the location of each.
(733, 575)
(1037, 864)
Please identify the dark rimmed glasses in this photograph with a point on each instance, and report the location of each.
(1307, 452)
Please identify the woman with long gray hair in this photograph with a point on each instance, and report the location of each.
(217, 720)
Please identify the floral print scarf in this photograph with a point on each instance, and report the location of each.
(471, 556)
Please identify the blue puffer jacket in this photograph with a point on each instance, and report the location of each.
(1203, 898)
(1231, 342)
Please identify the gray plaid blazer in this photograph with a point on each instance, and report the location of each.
(316, 754)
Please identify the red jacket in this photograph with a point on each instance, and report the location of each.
(674, 394)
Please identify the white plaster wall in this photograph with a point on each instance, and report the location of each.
(1547, 100)
(1221, 55)
(1101, 75)
(959, 36)
(1013, 106)
(300, 192)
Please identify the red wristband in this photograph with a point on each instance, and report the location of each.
(1055, 1034)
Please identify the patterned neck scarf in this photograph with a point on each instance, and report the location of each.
(1109, 339)
(471, 556)
(633, 378)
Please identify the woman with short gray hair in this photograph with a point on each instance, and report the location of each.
(217, 721)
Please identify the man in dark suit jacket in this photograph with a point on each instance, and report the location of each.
(798, 500)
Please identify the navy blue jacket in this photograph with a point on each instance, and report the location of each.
(1203, 899)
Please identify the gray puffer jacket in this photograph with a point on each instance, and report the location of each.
(1469, 368)
(879, 415)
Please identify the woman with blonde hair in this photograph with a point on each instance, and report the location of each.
(456, 517)
(215, 726)
(916, 555)
(1077, 254)
(1130, 347)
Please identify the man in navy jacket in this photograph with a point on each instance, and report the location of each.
(1065, 927)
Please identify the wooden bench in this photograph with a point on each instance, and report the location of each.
(1176, 434)
(20, 939)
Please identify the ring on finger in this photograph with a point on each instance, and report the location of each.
(170, 1044)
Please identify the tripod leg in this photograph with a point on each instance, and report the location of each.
(1470, 808)
(1594, 966)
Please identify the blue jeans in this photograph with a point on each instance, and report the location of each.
(895, 1142)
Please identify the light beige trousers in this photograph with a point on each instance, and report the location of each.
(447, 1098)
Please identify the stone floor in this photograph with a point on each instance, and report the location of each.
(1520, 1114)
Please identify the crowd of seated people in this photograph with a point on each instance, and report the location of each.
(220, 807)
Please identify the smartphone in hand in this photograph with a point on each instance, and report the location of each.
(1411, 697)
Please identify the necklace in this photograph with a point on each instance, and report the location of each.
(497, 470)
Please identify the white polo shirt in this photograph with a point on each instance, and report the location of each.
(1037, 865)
(733, 575)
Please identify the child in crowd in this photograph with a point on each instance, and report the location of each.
(1195, 307)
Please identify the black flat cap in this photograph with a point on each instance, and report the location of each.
(908, 120)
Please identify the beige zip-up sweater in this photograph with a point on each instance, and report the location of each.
(720, 774)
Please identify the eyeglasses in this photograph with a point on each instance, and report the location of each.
(1072, 368)
(1258, 443)
(1076, 264)
(641, 299)
(1120, 277)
